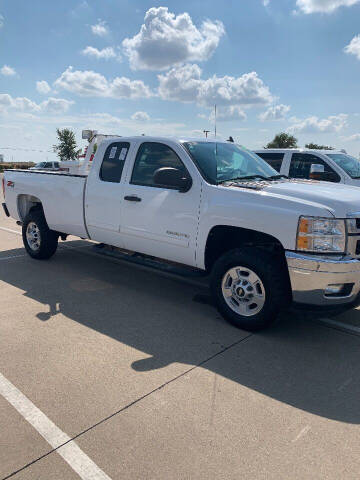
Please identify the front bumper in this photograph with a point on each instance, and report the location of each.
(6, 209)
(310, 275)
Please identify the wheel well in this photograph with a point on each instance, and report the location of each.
(26, 203)
(223, 238)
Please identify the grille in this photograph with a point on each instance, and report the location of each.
(353, 247)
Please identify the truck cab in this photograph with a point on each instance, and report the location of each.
(327, 165)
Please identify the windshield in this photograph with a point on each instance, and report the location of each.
(350, 164)
(220, 162)
(40, 165)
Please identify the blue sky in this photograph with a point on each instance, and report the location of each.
(132, 67)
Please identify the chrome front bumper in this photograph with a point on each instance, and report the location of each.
(310, 275)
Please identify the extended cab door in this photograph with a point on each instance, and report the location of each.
(105, 193)
(160, 221)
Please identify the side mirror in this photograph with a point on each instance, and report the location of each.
(317, 171)
(169, 177)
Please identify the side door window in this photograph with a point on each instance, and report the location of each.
(150, 157)
(300, 167)
(113, 162)
(273, 159)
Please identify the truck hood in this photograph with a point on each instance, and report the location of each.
(340, 200)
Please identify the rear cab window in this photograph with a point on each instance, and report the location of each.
(273, 159)
(113, 162)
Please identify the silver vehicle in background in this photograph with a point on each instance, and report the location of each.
(48, 166)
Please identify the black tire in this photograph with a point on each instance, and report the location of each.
(272, 274)
(48, 239)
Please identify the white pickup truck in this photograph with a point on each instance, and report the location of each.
(327, 165)
(212, 206)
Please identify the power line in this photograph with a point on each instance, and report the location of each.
(25, 149)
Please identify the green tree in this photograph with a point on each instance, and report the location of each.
(66, 149)
(315, 146)
(283, 140)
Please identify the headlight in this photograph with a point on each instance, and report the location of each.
(321, 235)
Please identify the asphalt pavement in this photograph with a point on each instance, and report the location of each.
(111, 370)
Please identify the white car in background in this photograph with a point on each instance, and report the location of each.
(328, 165)
(52, 166)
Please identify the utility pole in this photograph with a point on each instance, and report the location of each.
(206, 132)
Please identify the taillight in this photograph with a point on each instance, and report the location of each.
(3, 186)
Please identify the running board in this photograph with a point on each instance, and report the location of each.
(147, 261)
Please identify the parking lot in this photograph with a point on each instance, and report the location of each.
(110, 370)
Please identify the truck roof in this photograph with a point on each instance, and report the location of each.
(295, 150)
(149, 138)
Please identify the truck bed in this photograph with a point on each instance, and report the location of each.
(61, 195)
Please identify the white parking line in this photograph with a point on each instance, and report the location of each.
(70, 452)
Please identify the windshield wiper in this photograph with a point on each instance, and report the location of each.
(247, 177)
(278, 177)
(237, 179)
(253, 177)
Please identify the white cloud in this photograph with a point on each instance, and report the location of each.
(166, 39)
(354, 47)
(186, 85)
(331, 124)
(104, 54)
(182, 84)
(228, 114)
(323, 6)
(353, 138)
(100, 28)
(56, 105)
(43, 87)
(140, 117)
(266, 3)
(7, 71)
(1, 21)
(25, 105)
(275, 112)
(92, 84)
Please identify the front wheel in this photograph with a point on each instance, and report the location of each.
(249, 287)
(39, 241)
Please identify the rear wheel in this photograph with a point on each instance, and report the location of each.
(40, 242)
(249, 287)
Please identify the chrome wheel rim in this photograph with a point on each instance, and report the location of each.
(243, 291)
(33, 236)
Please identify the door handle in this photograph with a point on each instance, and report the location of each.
(132, 198)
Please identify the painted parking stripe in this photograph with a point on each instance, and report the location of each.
(69, 450)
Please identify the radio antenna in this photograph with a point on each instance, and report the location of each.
(215, 118)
